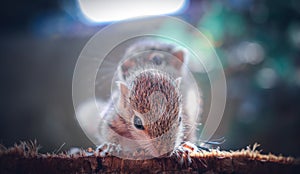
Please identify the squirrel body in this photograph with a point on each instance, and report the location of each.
(149, 109)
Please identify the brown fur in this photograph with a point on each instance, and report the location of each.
(151, 92)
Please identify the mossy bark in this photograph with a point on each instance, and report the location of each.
(18, 164)
(26, 160)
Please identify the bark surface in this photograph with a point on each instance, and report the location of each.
(24, 158)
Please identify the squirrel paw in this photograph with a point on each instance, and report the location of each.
(106, 149)
(183, 152)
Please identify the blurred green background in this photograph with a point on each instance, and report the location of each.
(258, 43)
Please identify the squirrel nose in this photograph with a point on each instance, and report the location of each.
(160, 148)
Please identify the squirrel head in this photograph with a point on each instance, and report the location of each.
(155, 53)
(151, 103)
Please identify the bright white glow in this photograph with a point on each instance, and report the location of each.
(266, 78)
(115, 10)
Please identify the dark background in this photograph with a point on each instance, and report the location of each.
(258, 43)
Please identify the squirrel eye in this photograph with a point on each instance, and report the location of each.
(138, 123)
(157, 60)
(179, 119)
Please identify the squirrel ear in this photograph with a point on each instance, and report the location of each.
(178, 82)
(124, 94)
(180, 55)
(123, 88)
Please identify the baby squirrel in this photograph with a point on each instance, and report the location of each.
(149, 108)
